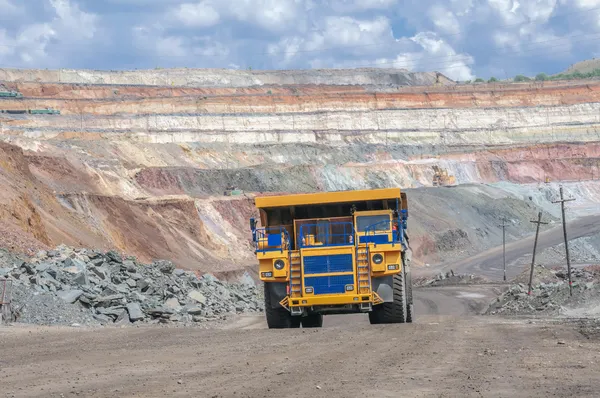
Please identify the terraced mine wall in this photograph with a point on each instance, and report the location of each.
(135, 163)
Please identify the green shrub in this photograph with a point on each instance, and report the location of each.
(492, 80)
(522, 78)
(479, 80)
(540, 77)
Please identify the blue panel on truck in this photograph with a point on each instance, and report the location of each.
(328, 264)
(274, 239)
(377, 239)
(329, 284)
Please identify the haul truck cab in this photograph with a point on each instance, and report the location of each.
(334, 253)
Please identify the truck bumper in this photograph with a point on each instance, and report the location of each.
(324, 300)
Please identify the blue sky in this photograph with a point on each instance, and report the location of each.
(460, 38)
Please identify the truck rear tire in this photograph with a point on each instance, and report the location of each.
(409, 296)
(395, 311)
(278, 318)
(312, 321)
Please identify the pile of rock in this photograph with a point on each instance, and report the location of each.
(450, 278)
(66, 286)
(550, 297)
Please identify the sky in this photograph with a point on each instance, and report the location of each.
(462, 39)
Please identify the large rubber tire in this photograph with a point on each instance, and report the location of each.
(395, 311)
(278, 318)
(410, 315)
(312, 321)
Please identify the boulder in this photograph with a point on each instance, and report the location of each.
(160, 311)
(135, 312)
(111, 311)
(173, 304)
(70, 296)
(103, 319)
(195, 311)
(123, 318)
(41, 267)
(197, 296)
(81, 279)
(164, 266)
(28, 268)
(129, 266)
(72, 264)
(114, 256)
(105, 301)
(143, 284)
(101, 272)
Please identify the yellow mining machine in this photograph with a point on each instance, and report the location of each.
(442, 178)
(334, 253)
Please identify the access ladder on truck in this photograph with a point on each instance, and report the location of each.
(295, 274)
(363, 271)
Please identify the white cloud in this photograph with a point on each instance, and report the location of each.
(197, 15)
(273, 15)
(447, 35)
(581, 3)
(71, 20)
(170, 46)
(361, 5)
(444, 19)
(10, 9)
(68, 27)
(351, 36)
(443, 57)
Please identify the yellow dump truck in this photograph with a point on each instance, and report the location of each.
(334, 253)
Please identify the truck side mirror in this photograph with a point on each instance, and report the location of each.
(253, 228)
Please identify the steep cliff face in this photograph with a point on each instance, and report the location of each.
(139, 160)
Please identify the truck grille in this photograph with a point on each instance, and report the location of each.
(329, 284)
(328, 264)
(316, 266)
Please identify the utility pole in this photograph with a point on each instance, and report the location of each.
(537, 233)
(562, 205)
(504, 225)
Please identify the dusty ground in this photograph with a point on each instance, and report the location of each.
(438, 356)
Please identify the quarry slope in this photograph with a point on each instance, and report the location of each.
(139, 160)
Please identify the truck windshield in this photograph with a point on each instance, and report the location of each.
(364, 222)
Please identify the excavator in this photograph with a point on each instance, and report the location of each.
(441, 177)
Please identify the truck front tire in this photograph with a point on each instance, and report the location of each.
(277, 316)
(395, 311)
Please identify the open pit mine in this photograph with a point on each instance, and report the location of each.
(166, 163)
(123, 191)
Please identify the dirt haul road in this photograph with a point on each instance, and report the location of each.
(438, 356)
(489, 262)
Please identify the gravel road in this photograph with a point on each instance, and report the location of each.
(489, 262)
(438, 356)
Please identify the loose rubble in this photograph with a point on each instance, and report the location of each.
(449, 278)
(550, 294)
(78, 286)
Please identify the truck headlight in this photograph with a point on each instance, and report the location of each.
(308, 290)
(279, 264)
(377, 258)
(266, 274)
(392, 267)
